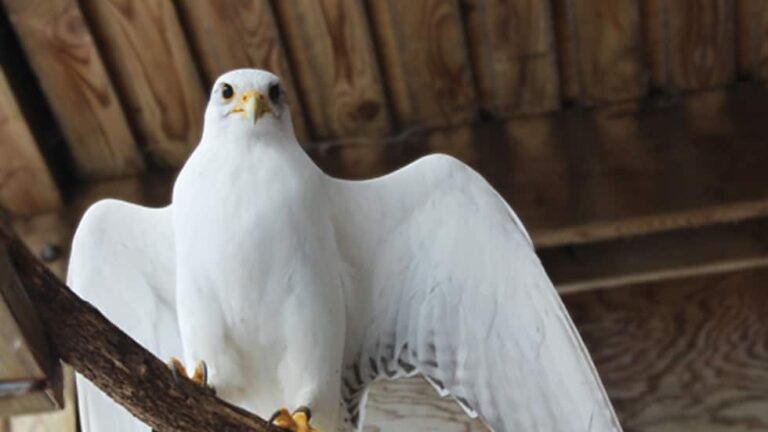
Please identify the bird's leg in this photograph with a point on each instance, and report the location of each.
(296, 422)
(199, 376)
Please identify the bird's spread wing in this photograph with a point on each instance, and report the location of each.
(445, 282)
(123, 263)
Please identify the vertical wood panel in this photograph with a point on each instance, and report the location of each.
(425, 61)
(26, 186)
(692, 43)
(233, 34)
(752, 38)
(745, 35)
(512, 47)
(656, 45)
(702, 37)
(330, 46)
(600, 43)
(145, 47)
(62, 53)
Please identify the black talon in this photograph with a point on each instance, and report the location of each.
(174, 372)
(271, 423)
(204, 368)
(307, 412)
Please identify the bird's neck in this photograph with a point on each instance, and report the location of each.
(231, 158)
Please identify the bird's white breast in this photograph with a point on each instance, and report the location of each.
(253, 241)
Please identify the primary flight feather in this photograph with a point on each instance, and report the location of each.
(298, 290)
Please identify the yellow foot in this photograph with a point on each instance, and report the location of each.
(296, 422)
(199, 376)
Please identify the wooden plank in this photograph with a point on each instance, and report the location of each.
(232, 34)
(600, 44)
(752, 39)
(61, 51)
(688, 252)
(578, 176)
(693, 43)
(746, 37)
(30, 375)
(681, 355)
(64, 420)
(657, 47)
(424, 56)
(19, 328)
(146, 51)
(332, 54)
(512, 48)
(26, 185)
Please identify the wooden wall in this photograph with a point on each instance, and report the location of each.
(93, 89)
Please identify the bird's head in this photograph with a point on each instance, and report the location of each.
(249, 103)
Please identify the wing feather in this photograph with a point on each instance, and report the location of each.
(123, 262)
(445, 282)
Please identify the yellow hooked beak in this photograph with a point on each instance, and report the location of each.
(252, 104)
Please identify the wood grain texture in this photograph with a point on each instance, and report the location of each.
(692, 43)
(233, 34)
(752, 39)
(61, 51)
(656, 43)
(600, 44)
(682, 355)
(146, 51)
(581, 176)
(330, 47)
(425, 61)
(512, 48)
(26, 185)
(746, 11)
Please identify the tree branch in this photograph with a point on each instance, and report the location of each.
(114, 362)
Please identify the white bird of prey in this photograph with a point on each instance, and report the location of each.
(299, 290)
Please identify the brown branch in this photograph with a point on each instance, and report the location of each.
(119, 366)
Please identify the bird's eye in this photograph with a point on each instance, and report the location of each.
(274, 92)
(227, 91)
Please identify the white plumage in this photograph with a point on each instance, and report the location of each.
(300, 289)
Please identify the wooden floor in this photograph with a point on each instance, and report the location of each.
(688, 355)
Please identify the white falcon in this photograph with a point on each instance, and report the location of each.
(298, 290)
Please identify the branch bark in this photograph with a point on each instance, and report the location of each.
(128, 373)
